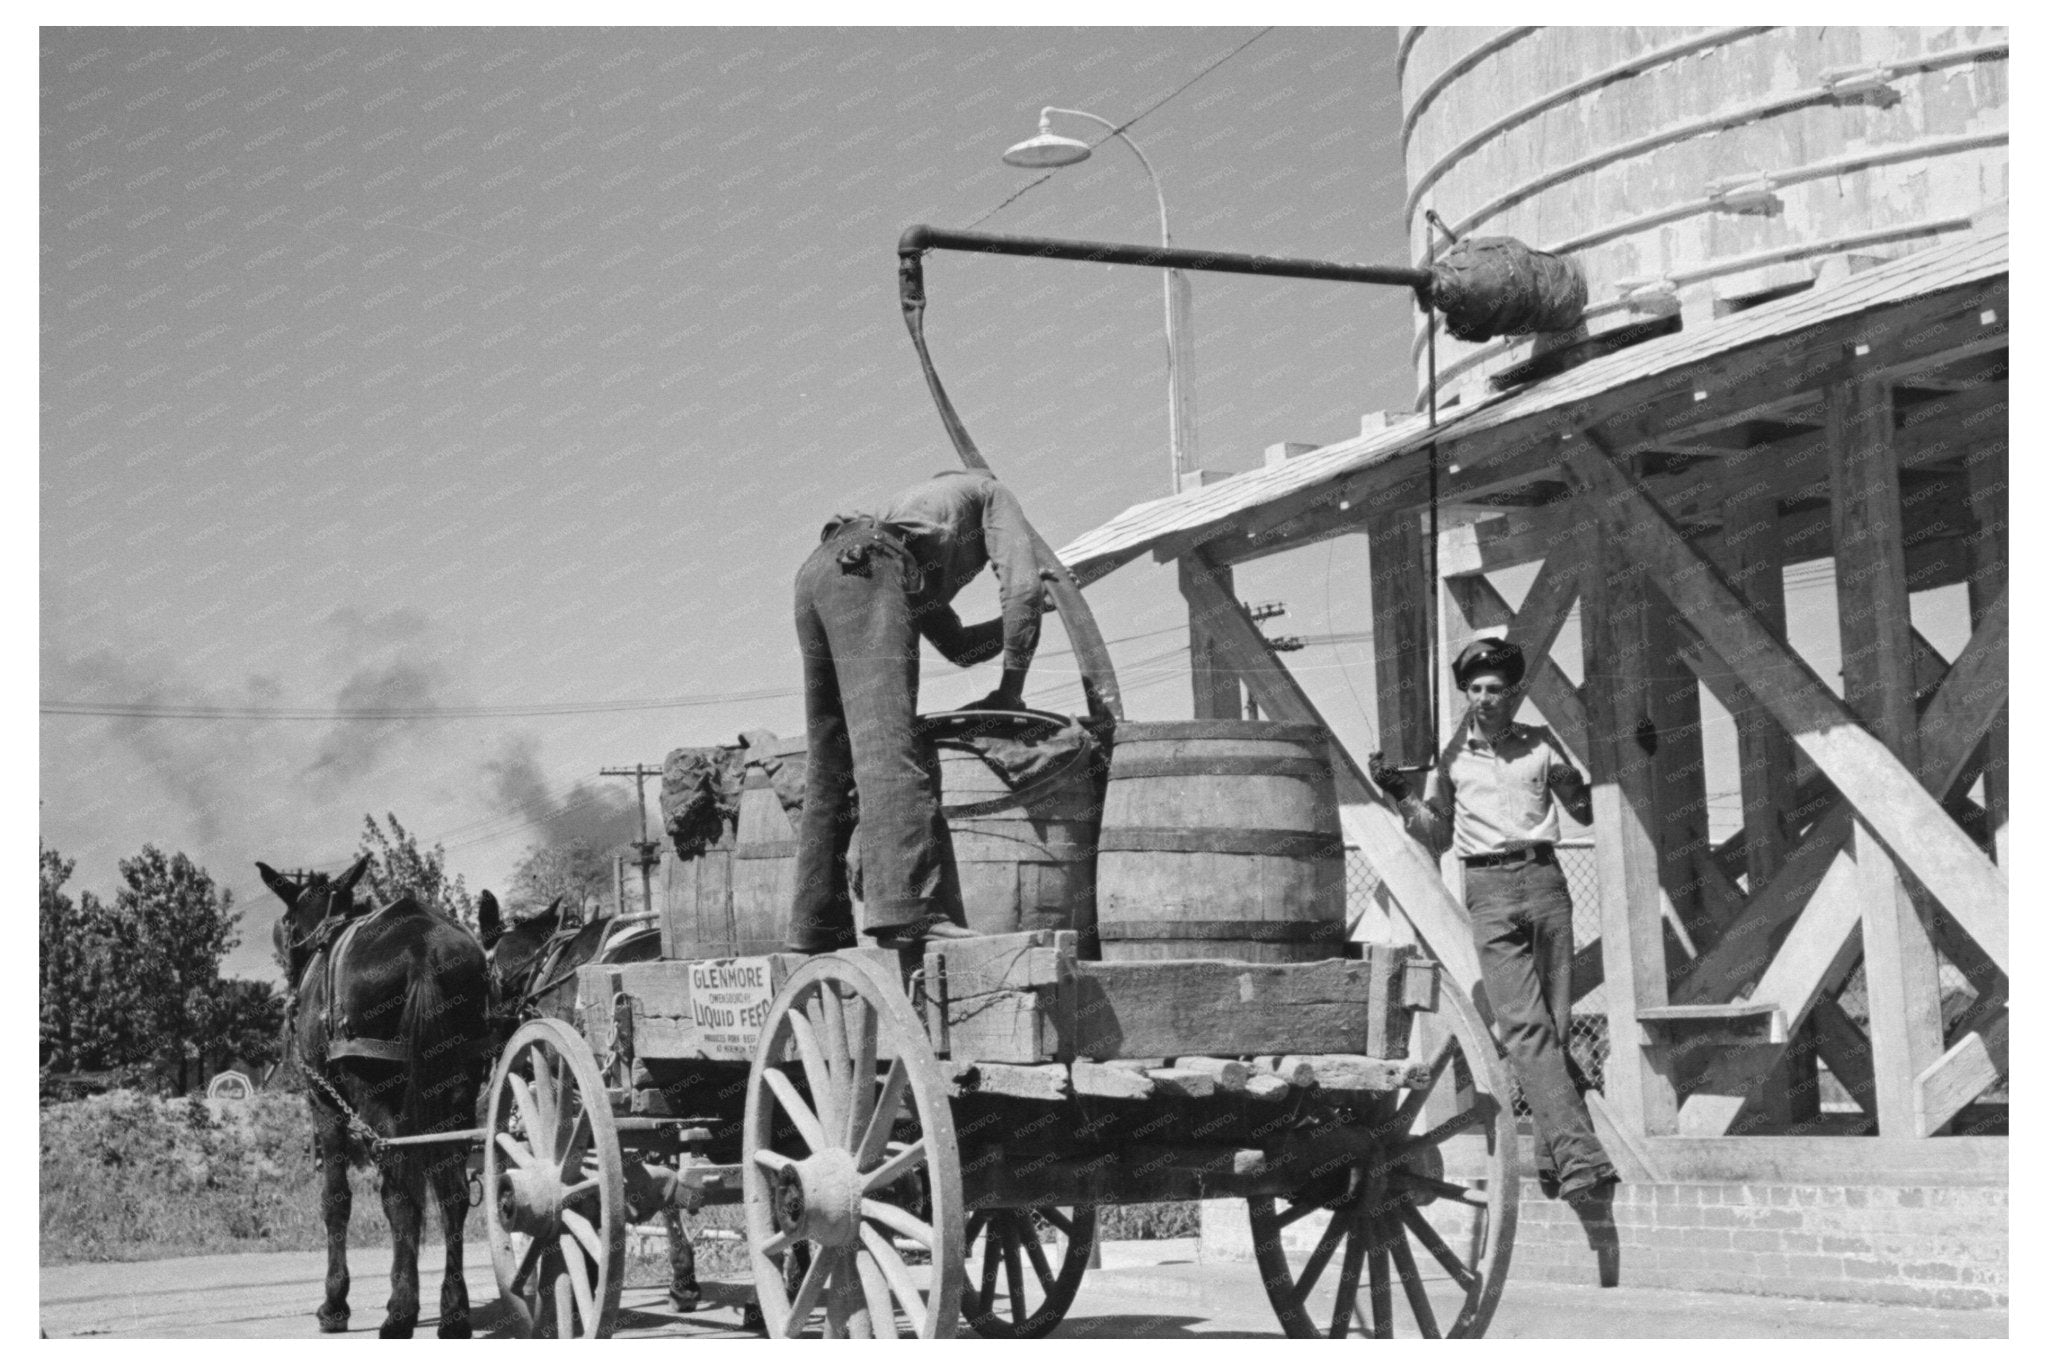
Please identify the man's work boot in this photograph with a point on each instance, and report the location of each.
(913, 937)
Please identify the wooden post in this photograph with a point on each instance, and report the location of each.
(1989, 508)
(1217, 694)
(1680, 768)
(1400, 637)
(1899, 961)
(1639, 1091)
(1752, 557)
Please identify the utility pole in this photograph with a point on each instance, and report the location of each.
(1285, 644)
(645, 847)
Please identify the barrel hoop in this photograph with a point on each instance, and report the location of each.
(1049, 855)
(1283, 732)
(1272, 843)
(1235, 765)
(766, 848)
(1244, 930)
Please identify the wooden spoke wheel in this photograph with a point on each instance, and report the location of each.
(554, 1185)
(851, 1161)
(1039, 1257)
(1433, 1206)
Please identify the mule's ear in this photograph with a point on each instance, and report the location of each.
(354, 874)
(490, 924)
(554, 906)
(286, 890)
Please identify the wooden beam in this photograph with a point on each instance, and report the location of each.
(1369, 821)
(1546, 684)
(1633, 905)
(1960, 1075)
(1882, 789)
(1749, 553)
(1679, 768)
(1217, 695)
(1819, 951)
(1989, 505)
(1900, 967)
(1401, 632)
(1743, 951)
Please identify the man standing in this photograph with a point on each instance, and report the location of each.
(874, 585)
(1495, 793)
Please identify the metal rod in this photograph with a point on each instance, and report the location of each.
(923, 238)
(435, 1139)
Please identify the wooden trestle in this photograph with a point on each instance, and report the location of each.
(1665, 510)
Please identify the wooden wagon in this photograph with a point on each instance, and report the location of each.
(915, 1141)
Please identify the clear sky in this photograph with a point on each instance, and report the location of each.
(512, 373)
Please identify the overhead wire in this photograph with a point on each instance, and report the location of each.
(1127, 123)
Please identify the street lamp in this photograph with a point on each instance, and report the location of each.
(1050, 150)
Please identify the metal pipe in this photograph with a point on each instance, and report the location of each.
(922, 238)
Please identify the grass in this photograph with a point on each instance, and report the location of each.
(130, 1177)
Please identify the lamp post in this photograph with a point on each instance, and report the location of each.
(1049, 149)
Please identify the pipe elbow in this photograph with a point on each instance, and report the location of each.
(915, 238)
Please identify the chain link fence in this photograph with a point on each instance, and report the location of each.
(1588, 1033)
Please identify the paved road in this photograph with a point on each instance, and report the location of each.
(1145, 1289)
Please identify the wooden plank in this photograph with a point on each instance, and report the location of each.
(1820, 949)
(1231, 1074)
(1899, 964)
(1369, 822)
(1834, 1161)
(1986, 475)
(1633, 905)
(1402, 625)
(1233, 1009)
(1679, 771)
(1000, 996)
(1355, 1073)
(1968, 703)
(1885, 793)
(1217, 689)
(1044, 1082)
(1960, 1075)
(1181, 1084)
(1109, 1082)
(1750, 554)
(1846, 1049)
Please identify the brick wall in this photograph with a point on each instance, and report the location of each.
(1934, 1246)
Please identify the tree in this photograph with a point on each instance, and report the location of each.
(91, 1012)
(399, 867)
(576, 871)
(183, 925)
(246, 1021)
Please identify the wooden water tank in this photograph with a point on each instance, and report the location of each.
(1697, 169)
(1220, 839)
(1025, 851)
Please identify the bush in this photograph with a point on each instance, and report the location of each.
(127, 1176)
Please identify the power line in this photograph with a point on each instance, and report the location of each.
(1128, 122)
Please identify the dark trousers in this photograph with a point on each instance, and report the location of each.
(1522, 927)
(860, 653)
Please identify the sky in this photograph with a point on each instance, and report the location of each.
(507, 377)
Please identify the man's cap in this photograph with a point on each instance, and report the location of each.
(1490, 655)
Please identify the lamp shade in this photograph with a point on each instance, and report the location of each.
(1047, 149)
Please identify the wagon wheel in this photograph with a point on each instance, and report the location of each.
(832, 1157)
(555, 1205)
(1009, 1241)
(1401, 1198)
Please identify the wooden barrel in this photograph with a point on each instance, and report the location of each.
(734, 900)
(1025, 851)
(1220, 839)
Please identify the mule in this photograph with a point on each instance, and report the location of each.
(388, 1018)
